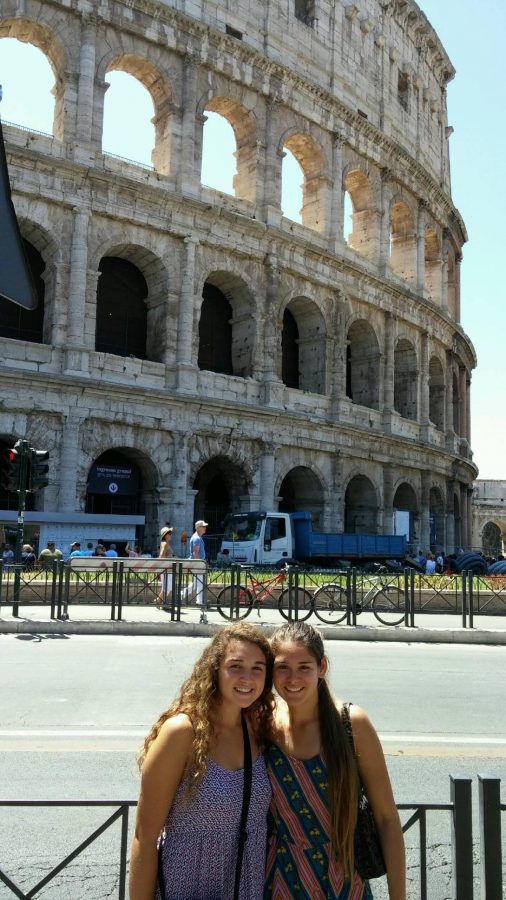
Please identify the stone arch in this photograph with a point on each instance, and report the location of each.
(365, 235)
(362, 364)
(436, 393)
(405, 380)
(244, 126)
(160, 90)
(46, 37)
(315, 191)
(406, 500)
(152, 320)
(492, 538)
(432, 264)
(437, 518)
(303, 341)
(226, 345)
(221, 486)
(26, 324)
(402, 240)
(361, 506)
(302, 490)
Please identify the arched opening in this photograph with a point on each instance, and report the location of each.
(292, 187)
(436, 393)
(26, 324)
(309, 156)
(221, 488)
(290, 373)
(303, 346)
(227, 326)
(360, 506)
(347, 218)
(365, 231)
(128, 128)
(115, 484)
(492, 539)
(437, 519)
(456, 403)
(406, 380)
(301, 491)
(363, 362)
(229, 135)
(432, 265)
(402, 242)
(28, 79)
(405, 502)
(10, 499)
(122, 316)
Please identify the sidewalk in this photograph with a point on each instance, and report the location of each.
(149, 620)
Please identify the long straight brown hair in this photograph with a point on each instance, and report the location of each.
(337, 751)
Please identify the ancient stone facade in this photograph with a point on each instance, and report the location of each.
(283, 365)
(489, 516)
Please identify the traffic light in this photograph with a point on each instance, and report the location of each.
(11, 469)
(38, 469)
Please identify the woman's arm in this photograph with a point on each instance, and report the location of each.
(164, 550)
(162, 770)
(374, 775)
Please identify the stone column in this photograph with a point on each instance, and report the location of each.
(425, 511)
(444, 271)
(336, 238)
(463, 402)
(384, 248)
(388, 371)
(464, 522)
(69, 464)
(335, 513)
(388, 499)
(468, 408)
(469, 503)
(271, 374)
(420, 247)
(449, 394)
(458, 261)
(76, 359)
(272, 168)
(267, 477)
(180, 514)
(424, 381)
(189, 174)
(184, 350)
(86, 83)
(450, 519)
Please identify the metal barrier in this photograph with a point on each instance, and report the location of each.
(333, 596)
(459, 807)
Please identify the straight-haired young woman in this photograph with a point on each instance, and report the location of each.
(320, 752)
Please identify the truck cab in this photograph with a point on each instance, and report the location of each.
(263, 538)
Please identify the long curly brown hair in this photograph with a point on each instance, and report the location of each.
(199, 697)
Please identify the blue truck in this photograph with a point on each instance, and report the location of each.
(274, 538)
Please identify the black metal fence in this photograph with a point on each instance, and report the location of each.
(416, 816)
(333, 597)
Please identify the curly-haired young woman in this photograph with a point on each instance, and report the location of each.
(188, 818)
(321, 751)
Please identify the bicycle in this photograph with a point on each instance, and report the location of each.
(237, 602)
(384, 599)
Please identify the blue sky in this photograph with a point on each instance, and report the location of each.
(473, 34)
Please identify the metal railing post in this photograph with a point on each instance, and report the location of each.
(462, 837)
(412, 597)
(121, 576)
(55, 571)
(61, 598)
(295, 593)
(348, 597)
(463, 576)
(470, 596)
(354, 597)
(123, 854)
(489, 794)
(114, 589)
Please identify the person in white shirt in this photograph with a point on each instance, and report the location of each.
(430, 565)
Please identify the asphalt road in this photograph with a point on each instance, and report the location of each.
(74, 710)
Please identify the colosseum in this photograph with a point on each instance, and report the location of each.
(206, 350)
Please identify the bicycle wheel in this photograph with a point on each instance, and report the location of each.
(388, 605)
(301, 598)
(227, 599)
(330, 604)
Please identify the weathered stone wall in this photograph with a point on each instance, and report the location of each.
(380, 418)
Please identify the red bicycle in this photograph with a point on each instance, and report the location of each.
(238, 601)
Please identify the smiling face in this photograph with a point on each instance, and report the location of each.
(296, 674)
(241, 674)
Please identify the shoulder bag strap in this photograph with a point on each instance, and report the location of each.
(246, 795)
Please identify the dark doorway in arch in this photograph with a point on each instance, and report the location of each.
(405, 502)
(215, 332)
(360, 506)
(222, 488)
(9, 499)
(492, 539)
(114, 486)
(122, 315)
(301, 491)
(26, 324)
(290, 367)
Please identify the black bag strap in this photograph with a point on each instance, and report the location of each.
(246, 796)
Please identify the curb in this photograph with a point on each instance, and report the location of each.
(332, 633)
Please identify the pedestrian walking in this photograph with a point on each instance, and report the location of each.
(197, 551)
(322, 751)
(195, 771)
(166, 577)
